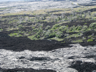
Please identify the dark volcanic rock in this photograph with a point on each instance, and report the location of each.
(25, 70)
(23, 43)
(39, 58)
(84, 66)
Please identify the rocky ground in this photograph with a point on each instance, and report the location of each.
(20, 54)
(10, 7)
(40, 58)
(25, 6)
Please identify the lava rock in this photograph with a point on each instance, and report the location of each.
(23, 43)
(83, 66)
(25, 70)
(39, 58)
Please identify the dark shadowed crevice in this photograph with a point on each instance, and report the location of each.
(90, 56)
(36, 58)
(40, 59)
(83, 66)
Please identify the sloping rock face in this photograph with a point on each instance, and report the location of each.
(18, 54)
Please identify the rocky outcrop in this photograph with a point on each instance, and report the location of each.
(84, 66)
(23, 54)
(23, 43)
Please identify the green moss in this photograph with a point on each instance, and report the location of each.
(85, 23)
(74, 35)
(47, 27)
(63, 42)
(77, 41)
(35, 30)
(49, 34)
(38, 36)
(72, 29)
(20, 26)
(59, 34)
(15, 34)
(57, 39)
(55, 26)
(29, 32)
(33, 27)
(60, 27)
(32, 37)
(93, 25)
(1, 30)
(63, 28)
(89, 36)
(89, 40)
(84, 28)
(78, 27)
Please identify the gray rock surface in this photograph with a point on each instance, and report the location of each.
(58, 59)
(10, 7)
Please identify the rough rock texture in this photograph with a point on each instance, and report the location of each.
(84, 66)
(58, 59)
(25, 70)
(25, 6)
(19, 53)
(23, 43)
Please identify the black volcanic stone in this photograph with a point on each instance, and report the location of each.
(83, 66)
(25, 70)
(23, 43)
(39, 58)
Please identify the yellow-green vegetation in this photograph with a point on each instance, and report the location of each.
(93, 25)
(32, 37)
(61, 24)
(77, 41)
(1, 30)
(15, 34)
(63, 28)
(55, 26)
(74, 35)
(57, 39)
(89, 40)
